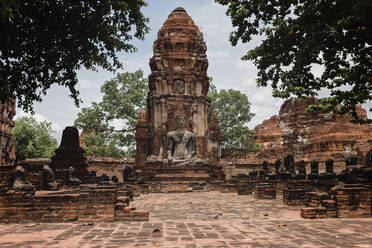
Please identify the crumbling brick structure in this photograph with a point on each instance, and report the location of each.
(89, 203)
(311, 136)
(7, 146)
(345, 201)
(70, 155)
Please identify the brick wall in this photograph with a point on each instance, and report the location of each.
(83, 204)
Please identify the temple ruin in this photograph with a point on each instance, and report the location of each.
(7, 147)
(310, 136)
(178, 151)
(178, 128)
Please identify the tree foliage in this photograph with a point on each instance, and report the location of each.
(111, 123)
(234, 112)
(298, 34)
(33, 139)
(102, 145)
(47, 42)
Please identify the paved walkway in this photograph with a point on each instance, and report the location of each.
(199, 220)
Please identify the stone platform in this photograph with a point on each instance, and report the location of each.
(182, 180)
(182, 174)
(199, 219)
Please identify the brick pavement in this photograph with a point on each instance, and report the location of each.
(198, 220)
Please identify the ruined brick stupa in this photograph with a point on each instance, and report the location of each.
(7, 147)
(178, 128)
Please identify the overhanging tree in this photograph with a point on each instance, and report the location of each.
(110, 124)
(298, 34)
(47, 42)
(234, 112)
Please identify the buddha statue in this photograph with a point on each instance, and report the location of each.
(301, 171)
(49, 180)
(19, 181)
(329, 174)
(314, 170)
(181, 144)
(72, 176)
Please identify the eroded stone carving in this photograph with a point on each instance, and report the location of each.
(49, 180)
(284, 169)
(278, 166)
(70, 154)
(366, 170)
(19, 181)
(301, 170)
(104, 179)
(114, 179)
(314, 170)
(351, 162)
(329, 174)
(72, 177)
(289, 164)
(351, 172)
(179, 86)
(369, 159)
(181, 144)
(253, 175)
(265, 172)
(127, 173)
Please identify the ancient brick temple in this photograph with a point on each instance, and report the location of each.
(7, 147)
(178, 128)
(311, 136)
(70, 157)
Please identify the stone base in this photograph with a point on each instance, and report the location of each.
(182, 174)
(353, 201)
(345, 201)
(313, 213)
(293, 196)
(244, 189)
(164, 178)
(264, 191)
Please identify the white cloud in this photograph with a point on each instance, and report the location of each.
(214, 55)
(84, 84)
(247, 67)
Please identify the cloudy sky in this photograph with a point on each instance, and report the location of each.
(225, 66)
